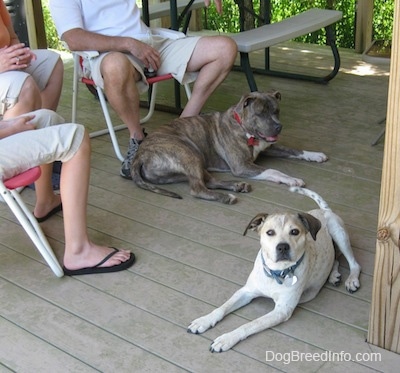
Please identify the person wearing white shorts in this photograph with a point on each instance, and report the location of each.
(51, 141)
(29, 80)
(127, 46)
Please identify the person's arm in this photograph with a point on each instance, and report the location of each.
(78, 39)
(13, 36)
(16, 125)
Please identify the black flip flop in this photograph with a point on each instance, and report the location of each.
(97, 269)
(50, 214)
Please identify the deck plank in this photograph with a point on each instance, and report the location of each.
(192, 255)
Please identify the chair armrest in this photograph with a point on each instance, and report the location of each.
(83, 54)
(167, 33)
(86, 54)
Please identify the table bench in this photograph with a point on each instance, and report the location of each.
(270, 34)
(183, 8)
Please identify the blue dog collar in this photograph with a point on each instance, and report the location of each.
(280, 275)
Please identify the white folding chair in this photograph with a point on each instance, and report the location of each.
(25, 217)
(79, 76)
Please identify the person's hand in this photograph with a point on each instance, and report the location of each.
(15, 57)
(145, 53)
(18, 124)
(218, 5)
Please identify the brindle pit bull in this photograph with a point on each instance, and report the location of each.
(188, 148)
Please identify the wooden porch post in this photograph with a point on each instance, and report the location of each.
(384, 324)
(365, 12)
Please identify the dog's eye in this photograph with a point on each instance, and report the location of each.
(294, 232)
(271, 232)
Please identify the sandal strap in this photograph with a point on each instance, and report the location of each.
(107, 257)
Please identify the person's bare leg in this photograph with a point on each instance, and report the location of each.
(213, 57)
(52, 92)
(80, 252)
(46, 200)
(28, 100)
(120, 87)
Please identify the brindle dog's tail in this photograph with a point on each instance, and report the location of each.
(315, 196)
(137, 178)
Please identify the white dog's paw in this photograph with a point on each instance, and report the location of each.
(335, 278)
(278, 177)
(201, 324)
(314, 156)
(352, 284)
(224, 342)
(292, 181)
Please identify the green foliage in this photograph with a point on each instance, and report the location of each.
(51, 33)
(383, 19)
(345, 29)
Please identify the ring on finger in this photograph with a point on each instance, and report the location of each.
(17, 58)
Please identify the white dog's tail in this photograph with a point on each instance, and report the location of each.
(315, 196)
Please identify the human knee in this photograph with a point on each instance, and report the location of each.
(29, 98)
(116, 67)
(30, 95)
(229, 50)
(58, 72)
(46, 118)
(85, 145)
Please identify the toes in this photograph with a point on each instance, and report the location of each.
(352, 285)
(231, 200)
(243, 187)
(335, 279)
(222, 343)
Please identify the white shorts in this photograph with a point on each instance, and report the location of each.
(175, 55)
(50, 142)
(11, 82)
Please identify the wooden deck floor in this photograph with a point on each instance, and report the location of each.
(191, 255)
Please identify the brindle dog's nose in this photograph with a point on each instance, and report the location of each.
(278, 127)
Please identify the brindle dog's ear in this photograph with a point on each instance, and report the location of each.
(256, 222)
(276, 94)
(312, 224)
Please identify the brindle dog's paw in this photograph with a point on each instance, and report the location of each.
(314, 156)
(242, 187)
(230, 199)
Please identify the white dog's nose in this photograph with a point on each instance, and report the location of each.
(283, 251)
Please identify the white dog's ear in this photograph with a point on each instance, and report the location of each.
(256, 222)
(312, 224)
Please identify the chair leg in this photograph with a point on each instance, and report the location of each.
(188, 91)
(111, 129)
(32, 228)
(379, 137)
(75, 88)
(152, 104)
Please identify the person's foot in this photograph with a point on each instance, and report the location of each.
(43, 211)
(127, 162)
(97, 259)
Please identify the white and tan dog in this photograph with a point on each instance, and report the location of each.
(296, 258)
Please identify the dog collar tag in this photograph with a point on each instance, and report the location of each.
(290, 280)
